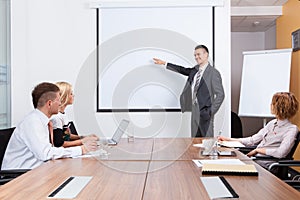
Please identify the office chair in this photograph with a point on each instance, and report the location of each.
(285, 169)
(7, 175)
(284, 166)
(280, 166)
(236, 126)
(72, 128)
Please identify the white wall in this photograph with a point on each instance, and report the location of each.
(50, 41)
(241, 41)
(247, 41)
(54, 40)
(270, 38)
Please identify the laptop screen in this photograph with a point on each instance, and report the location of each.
(120, 130)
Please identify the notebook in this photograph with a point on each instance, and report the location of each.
(229, 169)
(118, 133)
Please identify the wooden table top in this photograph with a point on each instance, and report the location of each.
(181, 180)
(140, 149)
(143, 169)
(184, 149)
(111, 180)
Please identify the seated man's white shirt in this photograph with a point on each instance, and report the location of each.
(29, 145)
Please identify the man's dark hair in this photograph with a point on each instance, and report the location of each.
(42, 93)
(201, 46)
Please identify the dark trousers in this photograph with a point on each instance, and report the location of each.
(200, 127)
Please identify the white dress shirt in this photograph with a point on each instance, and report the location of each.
(29, 144)
(195, 77)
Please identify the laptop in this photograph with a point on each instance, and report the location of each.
(118, 133)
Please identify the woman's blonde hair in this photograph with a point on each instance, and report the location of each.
(284, 105)
(65, 90)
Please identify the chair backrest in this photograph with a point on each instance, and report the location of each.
(236, 126)
(73, 128)
(5, 135)
(290, 156)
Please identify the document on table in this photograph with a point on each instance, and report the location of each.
(199, 145)
(97, 153)
(200, 163)
(240, 170)
(218, 187)
(231, 144)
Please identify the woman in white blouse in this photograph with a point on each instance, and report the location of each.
(278, 136)
(62, 133)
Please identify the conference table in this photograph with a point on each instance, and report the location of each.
(152, 168)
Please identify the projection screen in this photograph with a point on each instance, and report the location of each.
(129, 37)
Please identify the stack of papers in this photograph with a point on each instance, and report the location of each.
(243, 170)
(226, 166)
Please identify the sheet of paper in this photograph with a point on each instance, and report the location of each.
(231, 144)
(97, 153)
(227, 153)
(198, 145)
(215, 187)
(199, 163)
(84, 156)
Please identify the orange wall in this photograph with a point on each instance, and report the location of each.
(286, 24)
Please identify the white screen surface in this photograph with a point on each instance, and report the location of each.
(264, 73)
(131, 37)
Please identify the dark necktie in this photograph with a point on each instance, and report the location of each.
(197, 82)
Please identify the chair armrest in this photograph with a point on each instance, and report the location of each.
(8, 175)
(13, 172)
(246, 150)
(290, 162)
(293, 183)
(5, 180)
(265, 157)
(285, 163)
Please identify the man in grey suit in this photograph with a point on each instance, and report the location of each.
(203, 93)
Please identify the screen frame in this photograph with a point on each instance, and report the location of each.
(122, 110)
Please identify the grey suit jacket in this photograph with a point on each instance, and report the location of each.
(210, 94)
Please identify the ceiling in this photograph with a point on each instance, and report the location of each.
(254, 15)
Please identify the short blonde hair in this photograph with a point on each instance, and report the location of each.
(284, 105)
(65, 90)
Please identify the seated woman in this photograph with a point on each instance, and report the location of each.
(278, 136)
(62, 134)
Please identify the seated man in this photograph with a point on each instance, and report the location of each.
(278, 136)
(29, 145)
